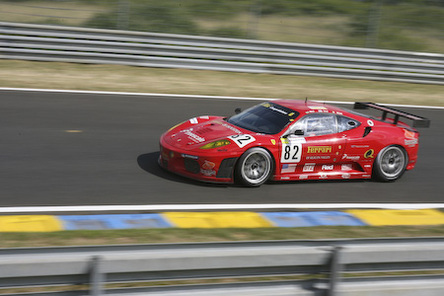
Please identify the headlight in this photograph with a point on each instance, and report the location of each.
(216, 144)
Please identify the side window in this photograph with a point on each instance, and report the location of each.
(346, 123)
(317, 124)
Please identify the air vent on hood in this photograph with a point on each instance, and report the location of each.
(204, 130)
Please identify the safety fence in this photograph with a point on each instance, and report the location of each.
(223, 219)
(98, 46)
(317, 267)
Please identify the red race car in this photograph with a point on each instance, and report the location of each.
(293, 140)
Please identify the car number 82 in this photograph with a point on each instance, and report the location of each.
(291, 152)
(242, 140)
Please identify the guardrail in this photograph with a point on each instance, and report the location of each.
(84, 45)
(100, 265)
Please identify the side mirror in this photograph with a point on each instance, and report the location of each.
(299, 132)
(296, 133)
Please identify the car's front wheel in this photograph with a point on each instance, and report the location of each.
(390, 163)
(254, 167)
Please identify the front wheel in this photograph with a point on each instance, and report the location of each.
(254, 167)
(390, 163)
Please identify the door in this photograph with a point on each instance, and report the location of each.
(313, 146)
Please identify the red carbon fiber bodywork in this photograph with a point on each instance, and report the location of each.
(343, 155)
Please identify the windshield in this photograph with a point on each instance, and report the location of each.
(266, 118)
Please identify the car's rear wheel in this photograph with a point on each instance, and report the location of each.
(254, 167)
(390, 163)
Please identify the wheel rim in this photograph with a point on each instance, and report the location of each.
(392, 162)
(255, 168)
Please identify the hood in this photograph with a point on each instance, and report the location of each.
(197, 135)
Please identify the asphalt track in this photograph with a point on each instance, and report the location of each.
(102, 149)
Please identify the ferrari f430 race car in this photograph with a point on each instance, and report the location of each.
(293, 140)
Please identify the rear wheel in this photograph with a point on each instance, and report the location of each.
(254, 167)
(390, 163)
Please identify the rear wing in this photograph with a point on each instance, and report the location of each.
(418, 121)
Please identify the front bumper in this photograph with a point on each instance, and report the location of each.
(213, 167)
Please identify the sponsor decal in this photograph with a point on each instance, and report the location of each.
(410, 138)
(369, 153)
(360, 146)
(231, 128)
(324, 157)
(303, 177)
(193, 136)
(208, 165)
(242, 140)
(318, 149)
(194, 120)
(205, 117)
(309, 167)
(207, 168)
(278, 110)
(366, 176)
(216, 144)
(323, 111)
(368, 166)
(288, 168)
(345, 176)
(346, 167)
(327, 167)
(317, 108)
(273, 141)
(323, 176)
(285, 178)
(411, 142)
(271, 107)
(348, 157)
(409, 134)
(370, 122)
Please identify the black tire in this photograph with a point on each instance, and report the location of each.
(254, 167)
(390, 163)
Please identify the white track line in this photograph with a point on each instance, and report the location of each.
(191, 96)
(217, 207)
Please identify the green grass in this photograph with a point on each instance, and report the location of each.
(49, 12)
(177, 235)
(52, 75)
(402, 25)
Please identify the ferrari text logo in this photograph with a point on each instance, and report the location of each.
(318, 149)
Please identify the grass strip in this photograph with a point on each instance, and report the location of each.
(178, 235)
(71, 76)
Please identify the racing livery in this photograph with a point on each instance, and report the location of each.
(293, 140)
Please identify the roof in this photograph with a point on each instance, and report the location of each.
(303, 106)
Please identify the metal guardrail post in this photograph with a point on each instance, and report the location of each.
(97, 278)
(335, 271)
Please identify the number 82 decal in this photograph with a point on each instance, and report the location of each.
(242, 140)
(291, 152)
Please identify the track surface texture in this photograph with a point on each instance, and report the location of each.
(93, 149)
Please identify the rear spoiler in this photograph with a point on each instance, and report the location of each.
(418, 121)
